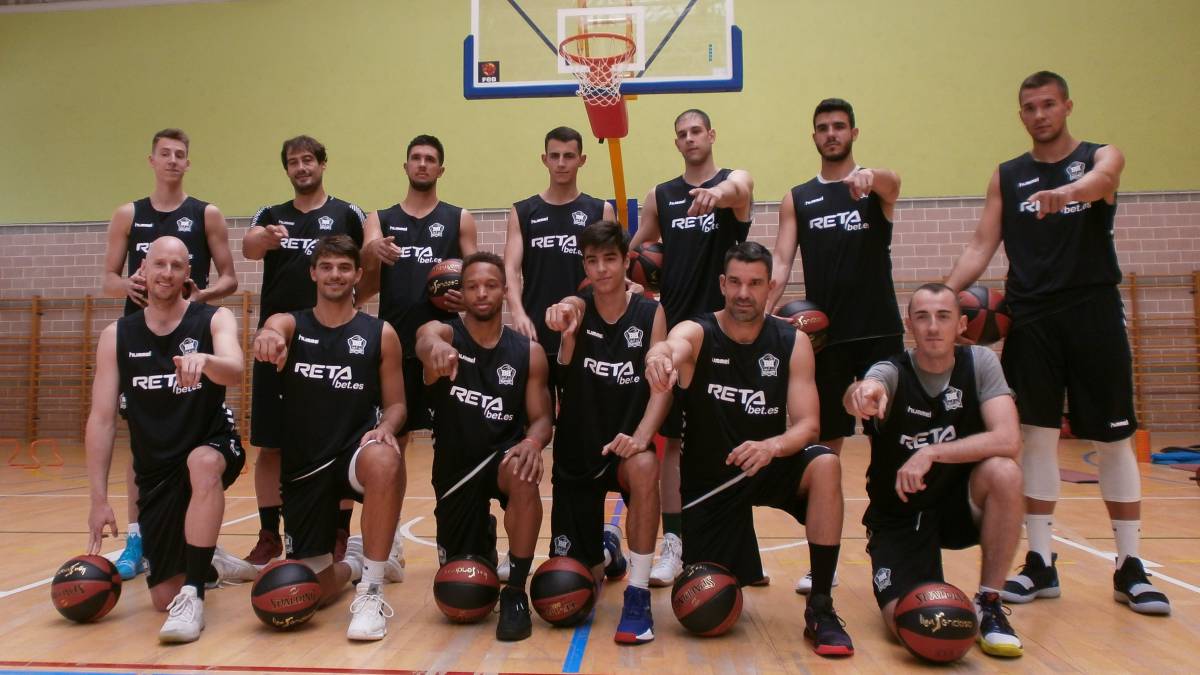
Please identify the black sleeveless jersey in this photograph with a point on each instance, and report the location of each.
(185, 222)
(693, 249)
(604, 388)
(483, 410)
(846, 247)
(552, 262)
(166, 422)
(286, 283)
(738, 393)
(424, 242)
(915, 421)
(331, 390)
(1054, 262)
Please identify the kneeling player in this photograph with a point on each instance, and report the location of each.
(171, 362)
(944, 437)
(606, 423)
(334, 358)
(491, 419)
(742, 375)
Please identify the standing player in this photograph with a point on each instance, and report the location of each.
(698, 216)
(170, 364)
(1053, 208)
(742, 376)
(606, 425)
(201, 227)
(283, 237)
(944, 440)
(334, 357)
(491, 419)
(842, 221)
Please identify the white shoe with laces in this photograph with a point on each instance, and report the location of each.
(231, 569)
(503, 569)
(669, 565)
(185, 617)
(368, 614)
(394, 571)
(804, 584)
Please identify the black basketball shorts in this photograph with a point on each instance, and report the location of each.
(414, 397)
(266, 407)
(463, 507)
(311, 505)
(577, 514)
(840, 364)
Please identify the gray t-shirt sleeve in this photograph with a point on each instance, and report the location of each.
(989, 376)
(887, 373)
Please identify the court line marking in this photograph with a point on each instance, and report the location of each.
(573, 661)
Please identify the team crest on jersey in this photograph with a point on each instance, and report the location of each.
(1075, 170)
(358, 344)
(507, 374)
(436, 229)
(953, 398)
(188, 346)
(562, 545)
(768, 365)
(184, 224)
(579, 218)
(633, 337)
(325, 223)
(883, 578)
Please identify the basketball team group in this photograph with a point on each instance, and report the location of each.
(753, 410)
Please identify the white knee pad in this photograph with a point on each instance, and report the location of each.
(1119, 477)
(318, 563)
(1039, 462)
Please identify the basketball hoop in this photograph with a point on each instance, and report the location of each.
(599, 55)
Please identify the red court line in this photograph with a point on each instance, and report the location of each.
(215, 668)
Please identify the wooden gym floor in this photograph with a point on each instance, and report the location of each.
(44, 522)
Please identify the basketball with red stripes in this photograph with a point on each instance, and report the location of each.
(562, 591)
(936, 621)
(85, 588)
(466, 588)
(707, 599)
(285, 594)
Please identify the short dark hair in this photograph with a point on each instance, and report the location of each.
(480, 257)
(173, 134)
(431, 141)
(834, 105)
(563, 135)
(337, 246)
(937, 289)
(698, 113)
(302, 143)
(1042, 78)
(604, 234)
(748, 252)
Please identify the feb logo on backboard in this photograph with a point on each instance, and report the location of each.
(489, 71)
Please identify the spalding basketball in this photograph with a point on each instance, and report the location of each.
(645, 266)
(987, 316)
(85, 588)
(466, 588)
(936, 621)
(707, 599)
(285, 594)
(563, 591)
(808, 318)
(444, 276)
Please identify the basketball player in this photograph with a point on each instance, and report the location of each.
(491, 419)
(283, 237)
(1053, 208)
(698, 216)
(943, 472)
(742, 376)
(842, 221)
(170, 363)
(201, 227)
(334, 357)
(606, 425)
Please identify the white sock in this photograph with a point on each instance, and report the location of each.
(1039, 529)
(133, 530)
(373, 571)
(1128, 534)
(355, 566)
(639, 569)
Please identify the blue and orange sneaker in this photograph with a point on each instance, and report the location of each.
(637, 623)
(615, 564)
(131, 563)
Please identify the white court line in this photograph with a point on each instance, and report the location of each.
(1111, 556)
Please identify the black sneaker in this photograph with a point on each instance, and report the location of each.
(825, 629)
(1035, 580)
(996, 636)
(515, 623)
(1132, 587)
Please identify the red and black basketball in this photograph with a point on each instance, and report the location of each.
(808, 318)
(645, 265)
(466, 588)
(563, 591)
(987, 316)
(936, 621)
(285, 594)
(707, 599)
(443, 277)
(85, 588)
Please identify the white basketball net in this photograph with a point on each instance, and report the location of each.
(600, 55)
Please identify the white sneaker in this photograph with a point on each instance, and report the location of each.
(231, 569)
(185, 617)
(804, 584)
(368, 614)
(503, 568)
(354, 557)
(394, 572)
(669, 565)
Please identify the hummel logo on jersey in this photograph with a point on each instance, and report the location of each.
(143, 224)
(623, 372)
(507, 374)
(1111, 425)
(768, 365)
(468, 359)
(184, 224)
(706, 223)
(189, 346)
(754, 402)
(563, 242)
(633, 337)
(396, 228)
(849, 220)
(579, 218)
(1075, 170)
(167, 381)
(720, 361)
(298, 244)
(325, 223)
(926, 438)
(308, 339)
(953, 399)
(920, 413)
(436, 229)
(594, 334)
(493, 406)
(677, 203)
(1031, 181)
(139, 355)
(358, 344)
(340, 377)
(423, 254)
(535, 221)
(288, 223)
(810, 202)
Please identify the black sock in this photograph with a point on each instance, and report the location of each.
(344, 516)
(823, 560)
(518, 570)
(268, 518)
(672, 523)
(197, 563)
